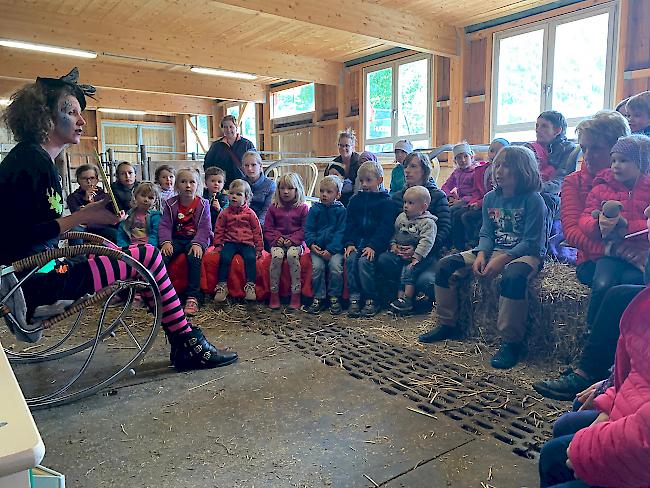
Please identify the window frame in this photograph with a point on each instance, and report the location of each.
(549, 26)
(274, 93)
(394, 137)
(239, 122)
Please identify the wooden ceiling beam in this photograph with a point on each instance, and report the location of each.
(28, 65)
(373, 21)
(184, 48)
(156, 103)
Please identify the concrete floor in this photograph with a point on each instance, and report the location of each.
(275, 419)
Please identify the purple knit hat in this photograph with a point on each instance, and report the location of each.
(367, 156)
(636, 148)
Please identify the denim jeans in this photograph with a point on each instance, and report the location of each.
(225, 259)
(610, 272)
(319, 270)
(390, 267)
(553, 470)
(183, 246)
(361, 276)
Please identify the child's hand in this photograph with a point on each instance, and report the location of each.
(496, 265)
(349, 250)
(479, 264)
(326, 255)
(413, 262)
(602, 417)
(196, 251)
(587, 396)
(474, 206)
(368, 253)
(167, 249)
(568, 459)
(90, 195)
(394, 248)
(316, 250)
(215, 204)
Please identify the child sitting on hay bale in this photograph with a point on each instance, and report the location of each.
(512, 242)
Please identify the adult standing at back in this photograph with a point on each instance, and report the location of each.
(348, 159)
(227, 152)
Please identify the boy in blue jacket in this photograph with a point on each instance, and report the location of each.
(368, 231)
(324, 235)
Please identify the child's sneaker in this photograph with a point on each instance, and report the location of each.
(220, 292)
(316, 306)
(354, 310)
(249, 289)
(274, 301)
(191, 306)
(402, 305)
(335, 306)
(370, 309)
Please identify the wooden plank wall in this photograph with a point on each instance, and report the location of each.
(635, 44)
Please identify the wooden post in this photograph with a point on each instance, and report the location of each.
(98, 128)
(623, 41)
(456, 93)
(487, 106)
(342, 110)
(268, 139)
(432, 103)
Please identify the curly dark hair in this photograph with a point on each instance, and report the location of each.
(30, 115)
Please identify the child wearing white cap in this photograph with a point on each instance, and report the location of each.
(402, 149)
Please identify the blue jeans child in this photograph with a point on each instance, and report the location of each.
(320, 266)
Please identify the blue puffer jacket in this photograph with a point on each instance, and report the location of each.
(325, 226)
(152, 221)
(371, 216)
(263, 190)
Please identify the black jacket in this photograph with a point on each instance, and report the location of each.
(440, 208)
(228, 158)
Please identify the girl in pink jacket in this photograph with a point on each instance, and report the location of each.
(237, 231)
(614, 451)
(284, 230)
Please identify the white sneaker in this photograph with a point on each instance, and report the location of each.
(249, 289)
(221, 292)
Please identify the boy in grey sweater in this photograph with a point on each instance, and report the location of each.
(416, 227)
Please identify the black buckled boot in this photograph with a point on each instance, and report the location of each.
(193, 351)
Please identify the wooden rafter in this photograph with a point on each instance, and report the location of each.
(162, 103)
(186, 48)
(27, 66)
(389, 25)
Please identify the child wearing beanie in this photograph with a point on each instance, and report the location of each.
(463, 192)
(627, 182)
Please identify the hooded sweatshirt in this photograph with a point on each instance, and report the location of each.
(418, 231)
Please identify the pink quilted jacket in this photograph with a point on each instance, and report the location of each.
(616, 453)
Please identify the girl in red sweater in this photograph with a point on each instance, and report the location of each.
(237, 231)
(284, 229)
(628, 183)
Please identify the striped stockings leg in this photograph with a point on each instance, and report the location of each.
(106, 270)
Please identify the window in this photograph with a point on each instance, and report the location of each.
(292, 101)
(248, 123)
(397, 104)
(564, 64)
(200, 124)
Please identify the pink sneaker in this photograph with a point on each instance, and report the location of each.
(295, 301)
(274, 301)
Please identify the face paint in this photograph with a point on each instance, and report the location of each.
(68, 122)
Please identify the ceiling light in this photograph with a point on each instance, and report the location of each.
(221, 72)
(47, 49)
(4, 102)
(121, 111)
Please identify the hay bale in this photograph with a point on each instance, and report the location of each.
(556, 321)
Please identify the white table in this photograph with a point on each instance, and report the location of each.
(21, 446)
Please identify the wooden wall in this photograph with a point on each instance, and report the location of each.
(634, 48)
